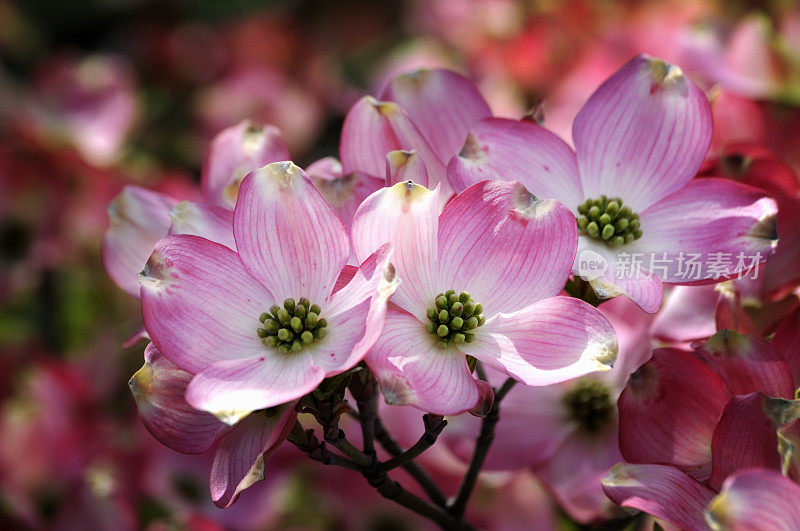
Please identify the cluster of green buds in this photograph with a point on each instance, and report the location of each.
(589, 405)
(454, 317)
(292, 326)
(605, 219)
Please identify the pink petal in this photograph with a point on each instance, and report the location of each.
(688, 314)
(720, 220)
(504, 246)
(441, 103)
(287, 235)
(787, 341)
(413, 370)
(374, 128)
(407, 216)
(138, 218)
(342, 192)
(746, 435)
(613, 272)
(574, 474)
(159, 388)
(747, 364)
(643, 134)
(756, 500)
(668, 411)
(199, 303)
(202, 219)
(241, 457)
(506, 150)
(356, 314)
(405, 166)
(662, 491)
(231, 389)
(235, 152)
(551, 341)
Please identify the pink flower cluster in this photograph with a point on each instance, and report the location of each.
(449, 250)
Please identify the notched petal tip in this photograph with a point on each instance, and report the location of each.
(603, 354)
(617, 476)
(410, 192)
(663, 73)
(527, 205)
(141, 382)
(400, 157)
(282, 173)
(766, 229)
(156, 273)
(231, 416)
(396, 391)
(386, 108)
(472, 150)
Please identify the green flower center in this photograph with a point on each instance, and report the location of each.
(292, 327)
(589, 405)
(605, 219)
(453, 318)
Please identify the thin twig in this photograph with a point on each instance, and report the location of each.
(434, 424)
(459, 503)
(412, 467)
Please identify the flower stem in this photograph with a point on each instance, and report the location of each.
(458, 504)
(434, 424)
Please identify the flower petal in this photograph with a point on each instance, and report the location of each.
(551, 341)
(747, 364)
(662, 491)
(643, 134)
(199, 303)
(287, 235)
(235, 152)
(746, 435)
(138, 218)
(232, 389)
(787, 341)
(688, 314)
(241, 456)
(374, 128)
(730, 226)
(405, 166)
(356, 314)
(159, 388)
(756, 500)
(668, 411)
(504, 246)
(202, 219)
(413, 370)
(506, 150)
(407, 216)
(441, 103)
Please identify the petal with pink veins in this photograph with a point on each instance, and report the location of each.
(643, 134)
(746, 435)
(232, 389)
(374, 128)
(756, 500)
(747, 364)
(507, 150)
(405, 166)
(159, 388)
(669, 409)
(287, 235)
(199, 303)
(662, 491)
(240, 460)
(413, 370)
(407, 216)
(235, 152)
(441, 103)
(551, 341)
(504, 246)
(688, 314)
(138, 218)
(719, 220)
(202, 219)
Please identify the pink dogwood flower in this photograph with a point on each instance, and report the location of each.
(266, 324)
(240, 452)
(639, 141)
(479, 280)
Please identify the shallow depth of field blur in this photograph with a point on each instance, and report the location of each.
(96, 94)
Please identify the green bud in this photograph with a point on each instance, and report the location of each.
(263, 317)
(469, 308)
(431, 328)
(312, 320)
(459, 338)
(284, 317)
(608, 232)
(456, 323)
(612, 208)
(637, 234)
(616, 241)
(270, 341)
(261, 333)
(469, 338)
(481, 320)
(315, 308)
(322, 323)
(442, 331)
(457, 309)
(621, 224)
(289, 305)
(319, 333)
(479, 308)
(443, 343)
(605, 219)
(272, 327)
(594, 212)
(583, 209)
(307, 337)
(296, 323)
(629, 237)
(300, 311)
(464, 297)
(305, 302)
(441, 302)
(449, 292)
(582, 222)
(284, 334)
(634, 225)
(452, 299)
(443, 316)
(431, 314)
(592, 229)
(625, 211)
(471, 323)
(297, 345)
(274, 309)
